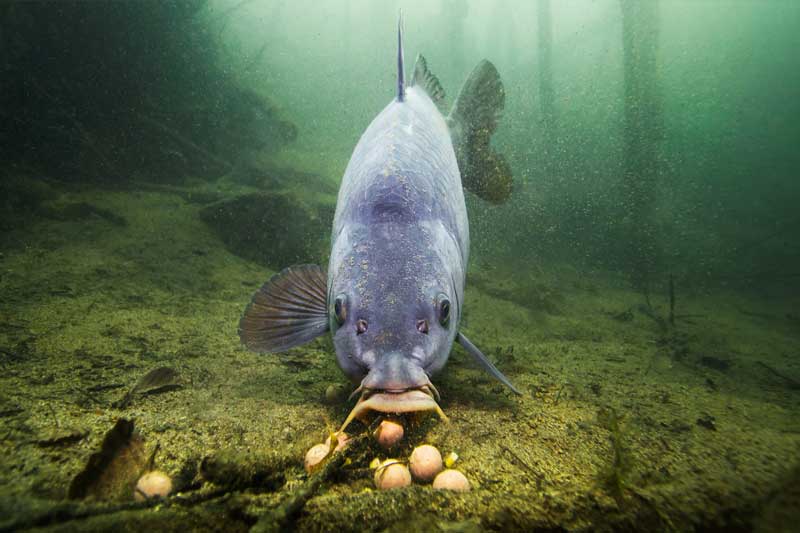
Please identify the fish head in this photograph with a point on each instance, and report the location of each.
(394, 308)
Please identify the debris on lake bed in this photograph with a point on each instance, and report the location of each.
(450, 459)
(61, 437)
(234, 470)
(158, 380)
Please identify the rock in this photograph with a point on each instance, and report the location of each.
(276, 229)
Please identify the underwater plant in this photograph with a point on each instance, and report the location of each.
(614, 477)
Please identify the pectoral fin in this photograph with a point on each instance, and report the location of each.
(287, 311)
(484, 361)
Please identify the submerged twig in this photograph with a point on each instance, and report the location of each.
(615, 476)
(525, 466)
(180, 139)
(280, 518)
(256, 57)
(228, 12)
(649, 312)
(793, 383)
(151, 461)
(63, 512)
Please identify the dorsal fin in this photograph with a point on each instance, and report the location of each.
(428, 81)
(401, 88)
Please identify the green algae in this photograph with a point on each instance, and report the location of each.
(89, 306)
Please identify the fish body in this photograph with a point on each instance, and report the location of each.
(394, 290)
(400, 248)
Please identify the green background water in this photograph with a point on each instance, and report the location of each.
(727, 96)
(161, 160)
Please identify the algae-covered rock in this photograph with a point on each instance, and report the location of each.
(276, 229)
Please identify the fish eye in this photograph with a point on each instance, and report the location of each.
(340, 309)
(443, 309)
(361, 326)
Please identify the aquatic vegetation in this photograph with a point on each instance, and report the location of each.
(614, 476)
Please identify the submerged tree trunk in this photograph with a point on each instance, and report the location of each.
(641, 135)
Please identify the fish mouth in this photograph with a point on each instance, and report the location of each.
(395, 401)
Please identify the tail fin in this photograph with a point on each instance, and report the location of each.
(472, 122)
(401, 87)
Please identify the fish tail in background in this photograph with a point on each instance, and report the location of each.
(472, 122)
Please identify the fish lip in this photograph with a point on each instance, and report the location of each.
(396, 401)
(399, 400)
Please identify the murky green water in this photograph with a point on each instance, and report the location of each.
(639, 286)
